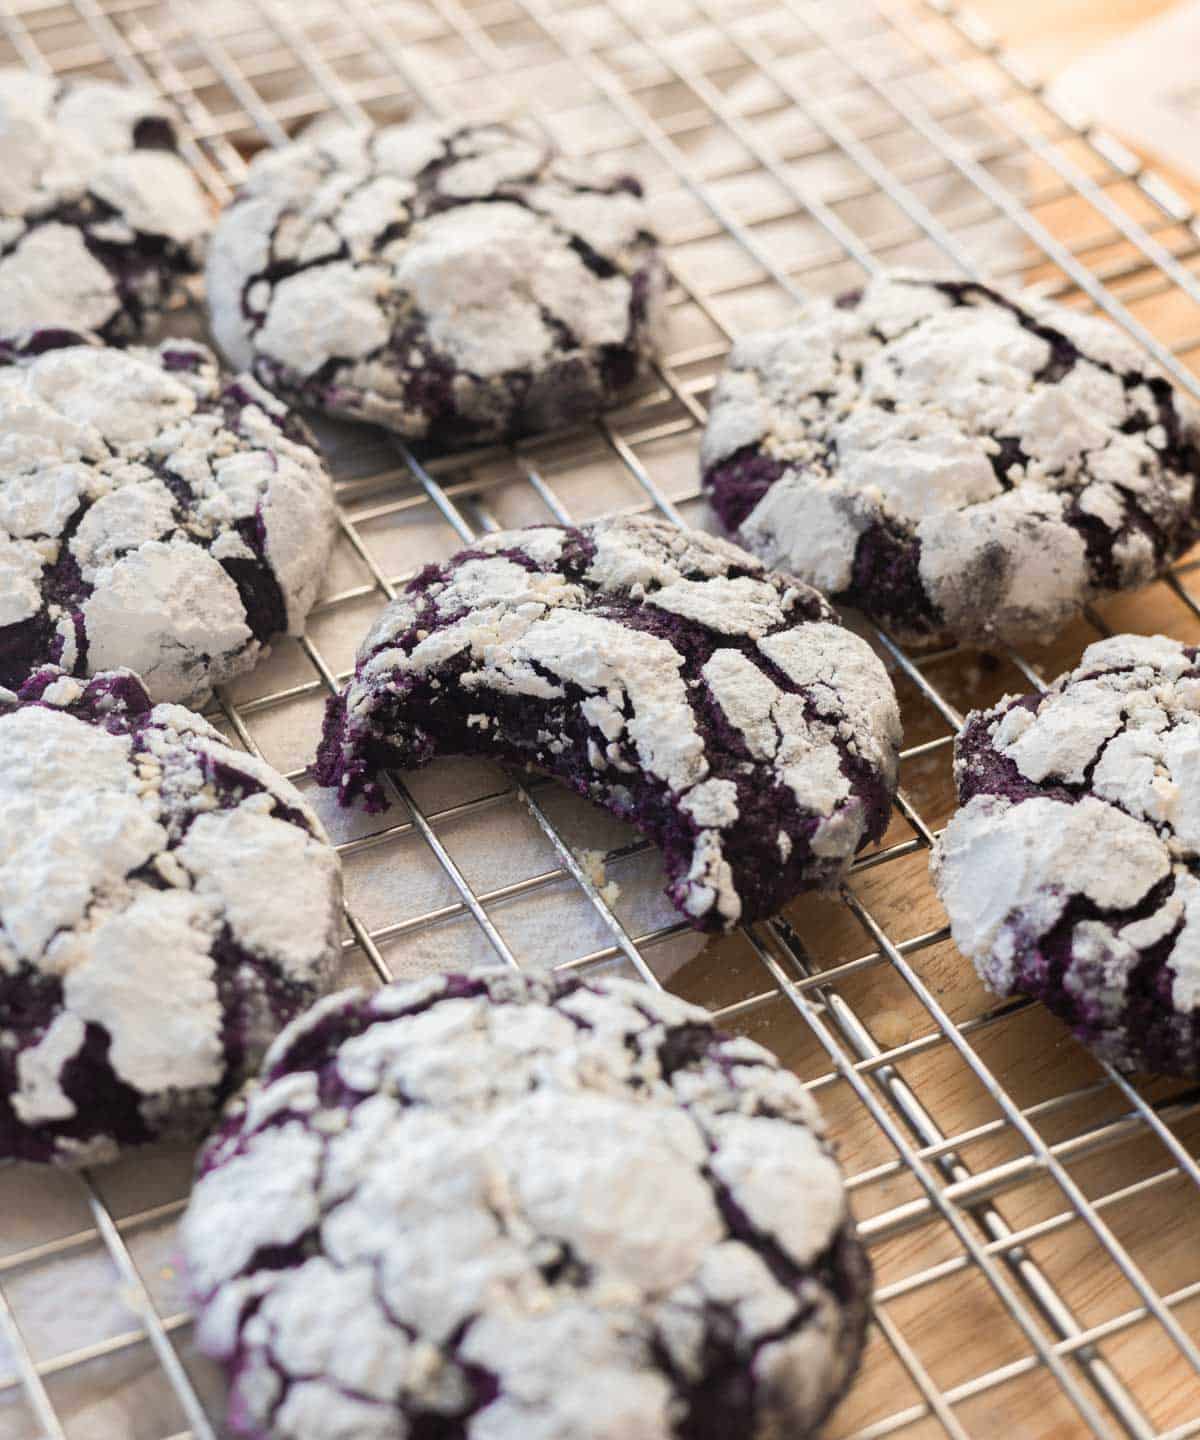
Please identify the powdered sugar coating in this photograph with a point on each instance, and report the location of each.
(167, 903)
(512, 1208)
(663, 673)
(455, 284)
(153, 513)
(952, 460)
(1072, 872)
(99, 218)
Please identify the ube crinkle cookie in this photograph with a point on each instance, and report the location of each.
(499, 1207)
(154, 514)
(663, 673)
(167, 904)
(99, 216)
(956, 462)
(456, 284)
(1072, 870)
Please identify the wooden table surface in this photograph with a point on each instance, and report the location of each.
(1049, 34)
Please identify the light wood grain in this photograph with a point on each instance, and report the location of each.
(956, 1325)
(1049, 34)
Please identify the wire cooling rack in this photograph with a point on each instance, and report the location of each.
(1032, 1215)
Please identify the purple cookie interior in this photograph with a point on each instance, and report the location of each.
(402, 720)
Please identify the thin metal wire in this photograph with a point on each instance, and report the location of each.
(624, 70)
(912, 112)
(135, 1290)
(27, 1373)
(925, 1177)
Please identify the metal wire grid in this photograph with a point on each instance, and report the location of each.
(627, 59)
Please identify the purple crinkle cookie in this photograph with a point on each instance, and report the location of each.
(154, 513)
(167, 904)
(1072, 870)
(663, 673)
(457, 284)
(493, 1205)
(954, 461)
(101, 218)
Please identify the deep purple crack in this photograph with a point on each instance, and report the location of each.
(1151, 1028)
(146, 270)
(739, 483)
(887, 567)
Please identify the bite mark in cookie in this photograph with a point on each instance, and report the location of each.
(1072, 870)
(99, 216)
(954, 461)
(663, 673)
(153, 514)
(167, 904)
(498, 1206)
(457, 284)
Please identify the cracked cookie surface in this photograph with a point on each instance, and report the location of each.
(457, 284)
(1072, 870)
(154, 514)
(167, 904)
(99, 217)
(666, 675)
(500, 1207)
(955, 462)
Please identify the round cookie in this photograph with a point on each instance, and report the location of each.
(153, 514)
(502, 1207)
(455, 284)
(664, 674)
(1072, 870)
(955, 462)
(99, 217)
(167, 904)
